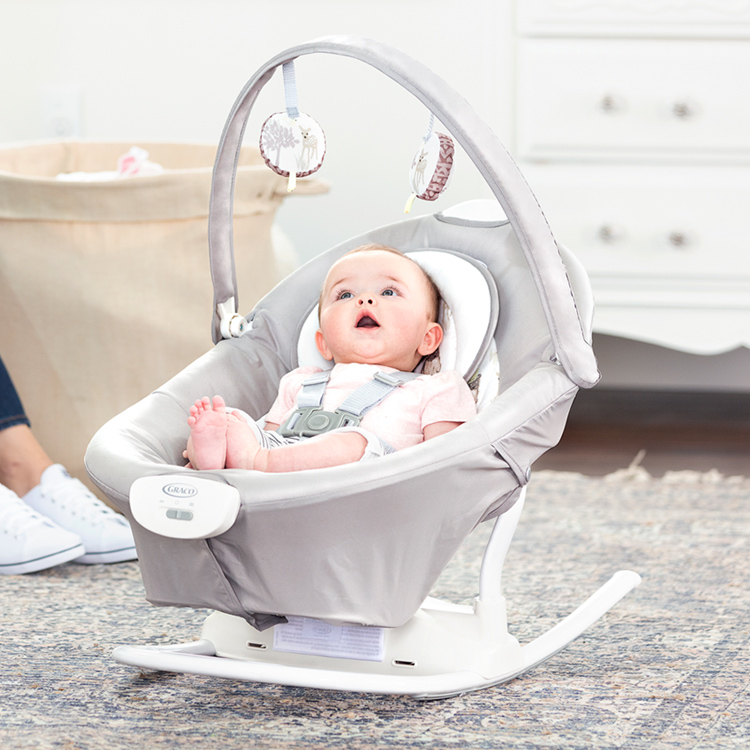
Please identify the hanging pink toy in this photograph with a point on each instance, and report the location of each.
(431, 167)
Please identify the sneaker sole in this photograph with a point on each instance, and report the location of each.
(42, 563)
(113, 556)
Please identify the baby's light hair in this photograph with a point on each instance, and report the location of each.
(434, 292)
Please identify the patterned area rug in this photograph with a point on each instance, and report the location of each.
(668, 667)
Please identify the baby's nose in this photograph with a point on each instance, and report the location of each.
(366, 299)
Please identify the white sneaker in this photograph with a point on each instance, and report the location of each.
(30, 542)
(106, 535)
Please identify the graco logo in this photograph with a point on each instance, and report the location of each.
(179, 490)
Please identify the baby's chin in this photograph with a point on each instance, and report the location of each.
(404, 365)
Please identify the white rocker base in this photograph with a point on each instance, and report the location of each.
(443, 651)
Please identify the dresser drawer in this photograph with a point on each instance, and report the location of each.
(633, 98)
(675, 222)
(614, 17)
(667, 249)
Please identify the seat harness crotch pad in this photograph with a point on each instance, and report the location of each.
(310, 419)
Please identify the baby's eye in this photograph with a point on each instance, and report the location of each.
(389, 293)
(345, 295)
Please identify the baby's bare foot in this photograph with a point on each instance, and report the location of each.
(207, 445)
(242, 444)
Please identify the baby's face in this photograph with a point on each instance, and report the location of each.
(375, 309)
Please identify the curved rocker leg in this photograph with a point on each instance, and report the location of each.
(199, 657)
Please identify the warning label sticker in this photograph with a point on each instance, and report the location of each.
(302, 635)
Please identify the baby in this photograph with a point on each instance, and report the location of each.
(378, 313)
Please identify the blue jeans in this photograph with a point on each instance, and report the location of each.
(11, 409)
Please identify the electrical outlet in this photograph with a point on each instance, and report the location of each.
(61, 112)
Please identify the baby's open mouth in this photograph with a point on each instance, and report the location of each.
(367, 322)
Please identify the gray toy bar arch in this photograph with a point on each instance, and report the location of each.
(573, 350)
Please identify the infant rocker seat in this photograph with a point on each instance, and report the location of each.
(322, 578)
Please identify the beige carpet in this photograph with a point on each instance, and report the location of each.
(669, 667)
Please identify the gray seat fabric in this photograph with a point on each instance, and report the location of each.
(361, 543)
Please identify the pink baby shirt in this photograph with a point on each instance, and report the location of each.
(401, 418)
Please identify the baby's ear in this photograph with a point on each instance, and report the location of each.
(320, 342)
(432, 339)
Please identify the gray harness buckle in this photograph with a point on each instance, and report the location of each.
(309, 421)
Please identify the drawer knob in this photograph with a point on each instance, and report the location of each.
(684, 109)
(610, 233)
(679, 239)
(611, 104)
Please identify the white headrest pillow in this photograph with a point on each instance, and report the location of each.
(465, 314)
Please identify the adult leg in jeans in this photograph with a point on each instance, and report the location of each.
(22, 459)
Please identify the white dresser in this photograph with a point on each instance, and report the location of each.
(633, 129)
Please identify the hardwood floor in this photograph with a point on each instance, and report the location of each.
(701, 431)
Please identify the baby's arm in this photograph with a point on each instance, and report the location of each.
(439, 428)
(448, 404)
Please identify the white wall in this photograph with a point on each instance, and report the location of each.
(171, 70)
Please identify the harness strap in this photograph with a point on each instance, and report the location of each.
(370, 394)
(313, 390)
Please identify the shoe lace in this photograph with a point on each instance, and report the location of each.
(73, 495)
(16, 518)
